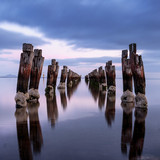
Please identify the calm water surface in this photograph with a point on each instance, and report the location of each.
(79, 123)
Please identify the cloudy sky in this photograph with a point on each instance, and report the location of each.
(82, 34)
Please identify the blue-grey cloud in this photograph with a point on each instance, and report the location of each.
(11, 40)
(104, 24)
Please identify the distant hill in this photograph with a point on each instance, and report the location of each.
(9, 76)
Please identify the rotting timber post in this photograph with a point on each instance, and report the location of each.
(137, 69)
(63, 78)
(35, 76)
(110, 74)
(52, 75)
(126, 72)
(72, 78)
(24, 74)
(133, 67)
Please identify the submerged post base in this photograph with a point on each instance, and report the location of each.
(112, 90)
(21, 99)
(33, 95)
(127, 97)
(141, 101)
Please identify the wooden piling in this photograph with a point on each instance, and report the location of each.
(72, 78)
(25, 68)
(63, 78)
(126, 72)
(52, 75)
(36, 70)
(137, 70)
(110, 74)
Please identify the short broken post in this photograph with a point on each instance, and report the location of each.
(138, 76)
(110, 74)
(72, 78)
(35, 76)
(52, 75)
(102, 79)
(63, 78)
(127, 96)
(24, 73)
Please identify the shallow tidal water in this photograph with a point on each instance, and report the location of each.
(80, 123)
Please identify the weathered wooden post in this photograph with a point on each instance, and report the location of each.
(126, 72)
(136, 146)
(35, 76)
(94, 79)
(102, 79)
(63, 78)
(35, 127)
(24, 144)
(52, 109)
(23, 75)
(72, 78)
(138, 76)
(110, 74)
(52, 75)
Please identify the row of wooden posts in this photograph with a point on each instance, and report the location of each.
(30, 70)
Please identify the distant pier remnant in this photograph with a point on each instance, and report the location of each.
(110, 74)
(35, 76)
(23, 75)
(52, 75)
(97, 79)
(72, 78)
(133, 67)
(63, 78)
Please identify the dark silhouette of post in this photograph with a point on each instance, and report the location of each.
(101, 99)
(52, 75)
(25, 68)
(63, 78)
(52, 109)
(136, 147)
(110, 74)
(110, 109)
(35, 127)
(63, 98)
(137, 70)
(126, 135)
(24, 144)
(126, 72)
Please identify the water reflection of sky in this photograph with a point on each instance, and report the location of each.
(78, 127)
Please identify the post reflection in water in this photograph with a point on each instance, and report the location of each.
(137, 142)
(126, 126)
(71, 90)
(101, 99)
(35, 128)
(24, 144)
(110, 109)
(63, 98)
(94, 90)
(52, 109)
